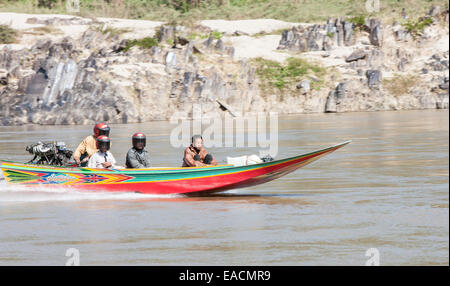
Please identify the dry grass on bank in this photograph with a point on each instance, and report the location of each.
(192, 10)
(400, 84)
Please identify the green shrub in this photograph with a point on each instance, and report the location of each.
(145, 43)
(7, 35)
(195, 36)
(359, 22)
(416, 28)
(216, 35)
(276, 76)
(47, 3)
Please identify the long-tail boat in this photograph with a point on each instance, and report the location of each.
(159, 180)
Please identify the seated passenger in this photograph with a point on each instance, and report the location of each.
(88, 146)
(138, 157)
(196, 156)
(103, 158)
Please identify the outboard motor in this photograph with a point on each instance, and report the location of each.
(55, 153)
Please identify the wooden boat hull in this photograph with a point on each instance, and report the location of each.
(194, 181)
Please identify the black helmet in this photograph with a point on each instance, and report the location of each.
(103, 142)
(139, 140)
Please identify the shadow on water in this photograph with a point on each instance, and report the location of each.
(217, 197)
(296, 200)
(232, 195)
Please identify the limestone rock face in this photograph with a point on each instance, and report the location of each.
(376, 32)
(317, 37)
(356, 55)
(380, 67)
(91, 76)
(374, 78)
(92, 79)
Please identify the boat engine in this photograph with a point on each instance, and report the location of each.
(53, 153)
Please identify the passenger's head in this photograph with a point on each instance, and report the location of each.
(101, 129)
(103, 143)
(197, 142)
(138, 141)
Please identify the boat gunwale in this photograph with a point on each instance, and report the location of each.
(155, 170)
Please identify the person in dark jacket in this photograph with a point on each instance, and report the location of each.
(138, 156)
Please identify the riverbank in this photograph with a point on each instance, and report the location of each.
(62, 69)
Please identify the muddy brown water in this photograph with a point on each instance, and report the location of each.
(387, 190)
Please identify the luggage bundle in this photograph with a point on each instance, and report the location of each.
(248, 160)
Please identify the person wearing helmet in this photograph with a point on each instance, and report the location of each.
(103, 158)
(196, 156)
(88, 146)
(137, 156)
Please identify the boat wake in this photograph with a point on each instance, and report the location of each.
(20, 193)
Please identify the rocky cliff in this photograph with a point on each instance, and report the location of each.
(71, 70)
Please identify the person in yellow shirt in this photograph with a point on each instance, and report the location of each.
(88, 146)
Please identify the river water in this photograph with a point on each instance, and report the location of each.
(386, 190)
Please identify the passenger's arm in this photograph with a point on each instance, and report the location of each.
(92, 162)
(189, 159)
(204, 153)
(134, 163)
(147, 162)
(79, 151)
